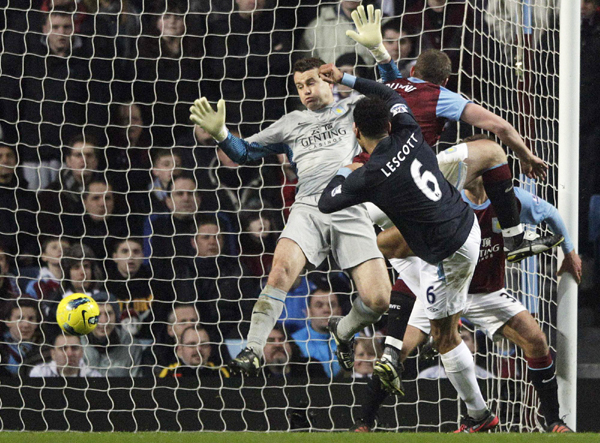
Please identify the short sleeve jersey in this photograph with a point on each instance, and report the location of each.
(318, 144)
(432, 105)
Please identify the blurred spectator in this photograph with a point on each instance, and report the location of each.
(128, 154)
(101, 223)
(115, 26)
(367, 350)
(247, 63)
(168, 237)
(110, 349)
(168, 331)
(348, 63)
(44, 94)
(130, 281)
(589, 133)
(167, 72)
(400, 45)
(258, 240)
(67, 360)
(80, 164)
(17, 209)
(50, 274)
(441, 25)
(194, 353)
(218, 282)
(315, 341)
(8, 286)
(21, 346)
(326, 38)
(283, 358)
(81, 275)
(166, 164)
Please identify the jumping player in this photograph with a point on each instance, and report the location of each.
(317, 141)
(403, 179)
(491, 308)
(434, 105)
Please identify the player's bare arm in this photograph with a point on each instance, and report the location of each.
(572, 265)
(533, 166)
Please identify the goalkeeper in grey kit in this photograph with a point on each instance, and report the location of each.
(317, 142)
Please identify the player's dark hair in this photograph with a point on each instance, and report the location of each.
(372, 117)
(306, 64)
(433, 66)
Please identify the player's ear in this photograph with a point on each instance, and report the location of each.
(445, 82)
(412, 71)
(356, 131)
(389, 127)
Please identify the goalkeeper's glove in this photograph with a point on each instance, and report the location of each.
(369, 32)
(202, 114)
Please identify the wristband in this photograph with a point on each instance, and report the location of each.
(222, 135)
(380, 53)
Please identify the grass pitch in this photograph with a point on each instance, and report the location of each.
(286, 437)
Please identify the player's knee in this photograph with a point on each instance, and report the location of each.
(281, 272)
(379, 299)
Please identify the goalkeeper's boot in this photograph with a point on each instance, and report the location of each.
(390, 375)
(361, 426)
(344, 349)
(531, 244)
(486, 424)
(558, 426)
(246, 363)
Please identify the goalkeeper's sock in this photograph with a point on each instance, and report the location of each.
(498, 185)
(359, 317)
(265, 314)
(543, 377)
(372, 401)
(460, 369)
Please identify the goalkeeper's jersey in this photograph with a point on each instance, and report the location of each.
(317, 143)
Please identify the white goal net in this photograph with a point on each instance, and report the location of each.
(106, 188)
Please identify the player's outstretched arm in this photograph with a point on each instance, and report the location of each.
(238, 150)
(369, 35)
(531, 165)
(535, 210)
(337, 196)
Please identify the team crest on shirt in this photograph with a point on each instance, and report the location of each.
(496, 225)
(339, 110)
(399, 108)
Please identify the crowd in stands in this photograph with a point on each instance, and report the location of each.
(107, 189)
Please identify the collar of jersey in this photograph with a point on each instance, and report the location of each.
(416, 80)
(475, 206)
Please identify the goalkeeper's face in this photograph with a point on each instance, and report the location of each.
(314, 92)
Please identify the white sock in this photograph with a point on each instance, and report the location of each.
(265, 314)
(460, 369)
(359, 317)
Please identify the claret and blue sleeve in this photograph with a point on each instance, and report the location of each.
(535, 210)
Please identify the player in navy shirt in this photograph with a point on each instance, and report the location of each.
(403, 179)
(491, 307)
(433, 105)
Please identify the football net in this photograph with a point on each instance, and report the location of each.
(98, 121)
